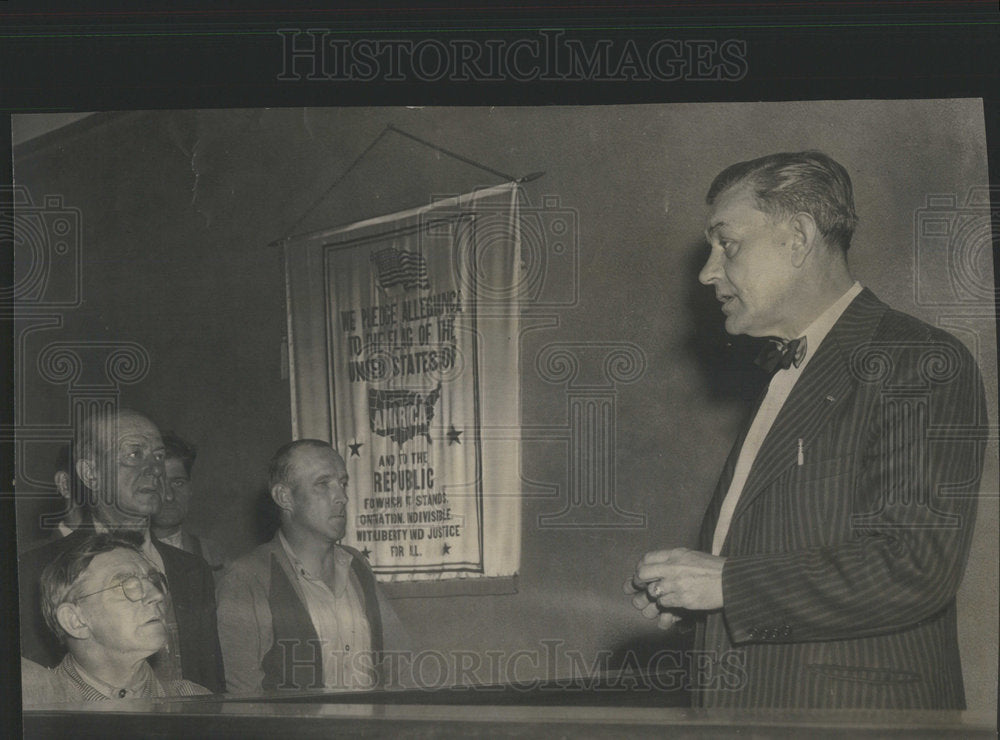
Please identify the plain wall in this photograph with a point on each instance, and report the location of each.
(178, 210)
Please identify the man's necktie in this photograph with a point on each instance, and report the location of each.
(781, 355)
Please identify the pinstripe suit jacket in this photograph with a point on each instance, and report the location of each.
(841, 572)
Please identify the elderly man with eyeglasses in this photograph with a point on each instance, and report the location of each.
(104, 601)
(119, 457)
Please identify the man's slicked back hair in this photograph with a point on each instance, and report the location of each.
(787, 183)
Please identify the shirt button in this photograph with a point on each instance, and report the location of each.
(347, 648)
(121, 694)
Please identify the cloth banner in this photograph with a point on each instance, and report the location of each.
(419, 330)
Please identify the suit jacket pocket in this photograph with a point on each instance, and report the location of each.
(816, 503)
(814, 471)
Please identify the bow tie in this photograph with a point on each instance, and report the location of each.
(779, 354)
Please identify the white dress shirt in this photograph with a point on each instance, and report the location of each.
(777, 393)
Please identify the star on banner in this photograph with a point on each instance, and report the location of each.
(453, 435)
(446, 549)
(366, 552)
(355, 448)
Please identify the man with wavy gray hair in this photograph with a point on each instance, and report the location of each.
(104, 601)
(840, 527)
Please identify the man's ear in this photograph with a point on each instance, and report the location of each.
(72, 621)
(86, 471)
(804, 237)
(61, 479)
(282, 496)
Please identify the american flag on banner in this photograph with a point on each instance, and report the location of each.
(398, 267)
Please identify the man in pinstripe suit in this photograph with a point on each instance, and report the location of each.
(839, 530)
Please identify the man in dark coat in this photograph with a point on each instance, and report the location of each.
(839, 531)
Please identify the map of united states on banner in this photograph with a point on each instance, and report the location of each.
(404, 351)
(404, 337)
(402, 415)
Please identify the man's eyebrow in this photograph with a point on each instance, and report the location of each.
(134, 439)
(121, 574)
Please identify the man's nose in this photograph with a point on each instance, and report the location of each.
(156, 468)
(168, 493)
(712, 269)
(152, 594)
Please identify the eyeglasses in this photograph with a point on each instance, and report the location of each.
(133, 586)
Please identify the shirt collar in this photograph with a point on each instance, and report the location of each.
(147, 548)
(175, 540)
(102, 528)
(816, 332)
(339, 572)
(134, 688)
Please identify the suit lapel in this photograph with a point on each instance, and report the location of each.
(176, 570)
(824, 385)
